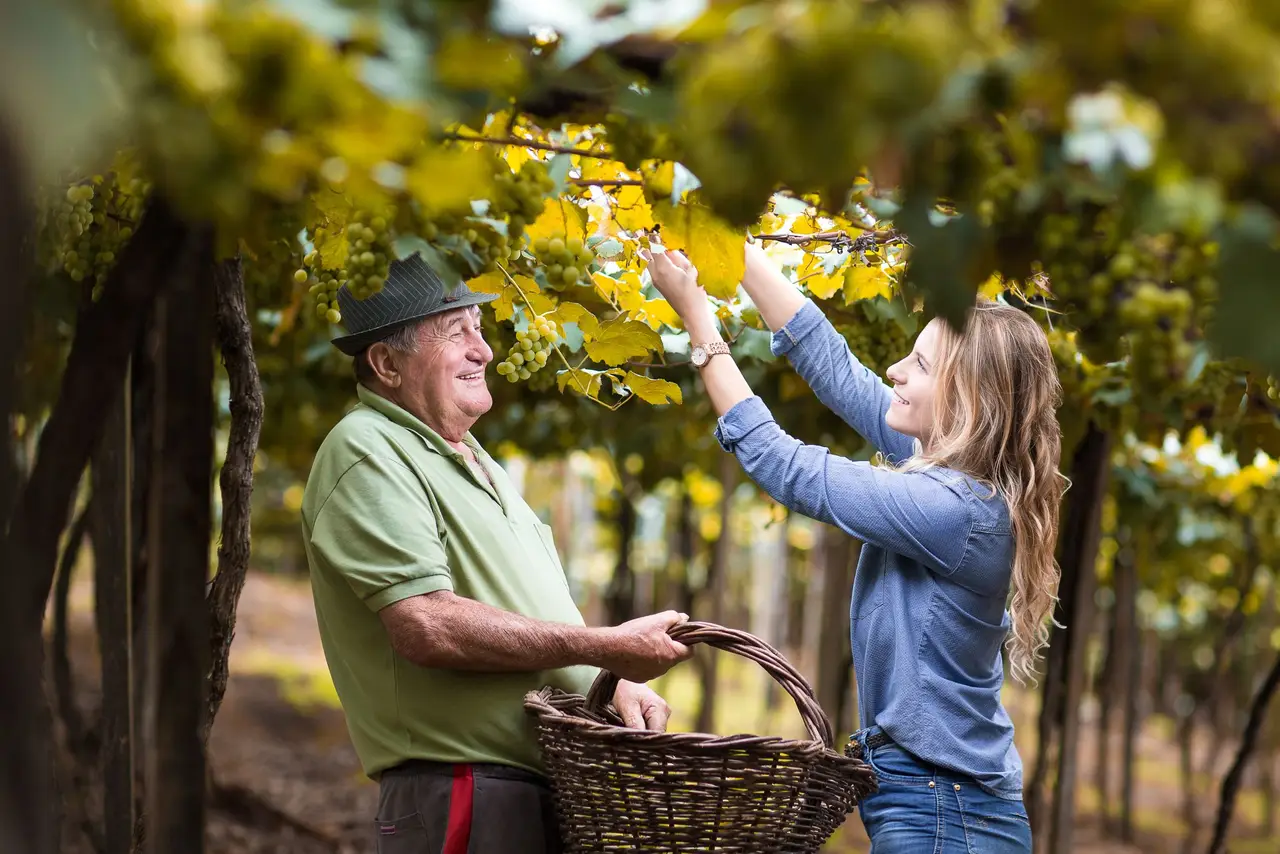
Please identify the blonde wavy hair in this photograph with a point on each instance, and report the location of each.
(995, 419)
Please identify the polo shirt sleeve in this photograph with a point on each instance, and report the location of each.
(377, 530)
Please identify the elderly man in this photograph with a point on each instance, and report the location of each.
(440, 597)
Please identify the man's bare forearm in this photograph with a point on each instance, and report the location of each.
(446, 631)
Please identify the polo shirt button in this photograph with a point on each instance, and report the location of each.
(957, 787)
(931, 784)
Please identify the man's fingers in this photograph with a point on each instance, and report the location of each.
(656, 716)
(631, 715)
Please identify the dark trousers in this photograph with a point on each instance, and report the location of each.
(438, 808)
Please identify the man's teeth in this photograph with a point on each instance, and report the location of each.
(474, 376)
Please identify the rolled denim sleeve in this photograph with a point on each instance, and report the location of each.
(912, 514)
(844, 385)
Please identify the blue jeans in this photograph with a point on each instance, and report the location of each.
(923, 809)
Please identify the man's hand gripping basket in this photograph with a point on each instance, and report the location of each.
(626, 790)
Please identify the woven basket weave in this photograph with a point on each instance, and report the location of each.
(626, 790)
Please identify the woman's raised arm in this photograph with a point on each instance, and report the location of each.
(821, 356)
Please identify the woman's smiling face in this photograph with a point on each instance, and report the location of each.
(914, 383)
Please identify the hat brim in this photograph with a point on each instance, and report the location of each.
(353, 344)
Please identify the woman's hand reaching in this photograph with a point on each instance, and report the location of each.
(676, 279)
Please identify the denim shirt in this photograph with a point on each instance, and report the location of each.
(928, 613)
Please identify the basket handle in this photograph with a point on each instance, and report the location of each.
(748, 646)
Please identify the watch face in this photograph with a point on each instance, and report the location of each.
(698, 356)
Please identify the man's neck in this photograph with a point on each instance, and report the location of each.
(419, 412)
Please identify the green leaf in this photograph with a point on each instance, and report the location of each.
(789, 205)
(558, 170)
(652, 390)
(754, 343)
(621, 339)
(406, 245)
(1249, 301)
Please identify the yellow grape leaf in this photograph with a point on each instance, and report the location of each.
(770, 223)
(657, 313)
(496, 283)
(572, 312)
(582, 381)
(653, 391)
(624, 291)
(812, 274)
(865, 282)
(992, 287)
(621, 339)
(632, 210)
(715, 247)
(659, 178)
(594, 169)
(516, 156)
(558, 217)
(806, 224)
(598, 216)
(447, 180)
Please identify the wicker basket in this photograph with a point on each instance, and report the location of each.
(626, 790)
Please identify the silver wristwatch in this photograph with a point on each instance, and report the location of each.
(702, 353)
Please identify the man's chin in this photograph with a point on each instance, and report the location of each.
(479, 403)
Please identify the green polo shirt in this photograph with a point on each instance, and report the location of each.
(391, 511)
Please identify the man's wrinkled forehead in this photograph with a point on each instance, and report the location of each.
(450, 321)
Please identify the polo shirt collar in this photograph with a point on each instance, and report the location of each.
(408, 420)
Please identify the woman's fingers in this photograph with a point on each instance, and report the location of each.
(678, 258)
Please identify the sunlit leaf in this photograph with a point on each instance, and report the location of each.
(652, 390)
(813, 274)
(572, 312)
(866, 282)
(583, 381)
(447, 180)
(558, 218)
(712, 245)
(632, 210)
(496, 283)
(624, 291)
(621, 339)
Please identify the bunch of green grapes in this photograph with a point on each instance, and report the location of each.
(369, 251)
(530, 352)
(567, 261)
(877, 345)
(519, 196)
(1145, 295)
(517, 200)
(323, 287)
(91, 221)
(369, 255)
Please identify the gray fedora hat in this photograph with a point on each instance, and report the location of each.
(412, 291)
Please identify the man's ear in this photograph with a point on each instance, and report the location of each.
(382, 360)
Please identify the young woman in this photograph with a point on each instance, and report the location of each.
(963, 509)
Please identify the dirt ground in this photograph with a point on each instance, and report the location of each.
(280, 736)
